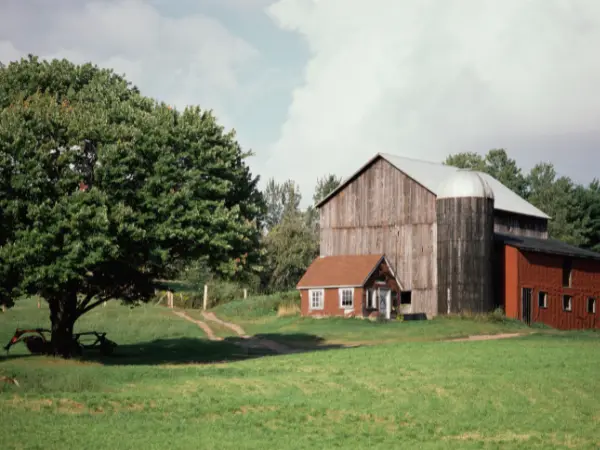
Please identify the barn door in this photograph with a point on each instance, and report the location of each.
(526, 307)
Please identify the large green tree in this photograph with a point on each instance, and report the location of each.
(557, 196)
(103, 191)
(587, 202)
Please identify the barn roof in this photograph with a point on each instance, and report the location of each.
(340, 271)
(548, 246)
(432, 175)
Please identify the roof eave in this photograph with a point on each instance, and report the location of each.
(333, 286)
(347, 181)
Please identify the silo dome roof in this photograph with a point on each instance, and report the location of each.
(465, 183)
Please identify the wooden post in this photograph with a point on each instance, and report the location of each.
(205, 302)
(245, 293)
(170, 299)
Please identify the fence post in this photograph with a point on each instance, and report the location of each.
(205, 300)
(245, 293)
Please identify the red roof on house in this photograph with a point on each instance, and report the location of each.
(335, 271)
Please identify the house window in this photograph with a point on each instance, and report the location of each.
(567, 303)
(543, 300)
(372, 299)
(591, 305)
(567, 273)
(317, 300)
(346, 298)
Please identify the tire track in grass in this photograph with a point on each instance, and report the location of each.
(207, 330)
(247, 342)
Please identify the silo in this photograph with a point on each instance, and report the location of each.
(465, 242)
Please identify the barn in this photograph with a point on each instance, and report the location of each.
(411, 237)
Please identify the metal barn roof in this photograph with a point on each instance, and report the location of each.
(433, 175)
(548, 246)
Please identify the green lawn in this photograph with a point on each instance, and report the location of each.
(539, 391)
(300, 331)
(258, 316)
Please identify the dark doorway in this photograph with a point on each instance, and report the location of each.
(526, 307)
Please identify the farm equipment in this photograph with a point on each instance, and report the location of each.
(38, 343)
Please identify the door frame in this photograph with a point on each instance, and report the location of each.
(527, 313)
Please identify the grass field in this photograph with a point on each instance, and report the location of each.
(539, 391)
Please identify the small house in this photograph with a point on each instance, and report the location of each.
(352, 286)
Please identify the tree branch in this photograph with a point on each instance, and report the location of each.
(93, 305)
(84, 303)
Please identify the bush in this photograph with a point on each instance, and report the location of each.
(263, 305)
(220, 292)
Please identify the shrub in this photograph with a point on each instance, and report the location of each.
(263, 305)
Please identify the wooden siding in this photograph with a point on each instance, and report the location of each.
(465, 250)
(543, 273)
(384, 211)
(519, 225)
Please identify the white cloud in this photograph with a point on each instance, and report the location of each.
(188, 60)
(426, 78)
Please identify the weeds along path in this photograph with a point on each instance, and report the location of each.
(207, 330)
(247, 342)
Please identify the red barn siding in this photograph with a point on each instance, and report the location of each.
(332, 303)
(543, 273)
(511, 282)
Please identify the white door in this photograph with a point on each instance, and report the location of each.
(385, 302)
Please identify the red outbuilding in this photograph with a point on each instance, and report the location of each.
(548, 281)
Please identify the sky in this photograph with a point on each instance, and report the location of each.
(319, 86)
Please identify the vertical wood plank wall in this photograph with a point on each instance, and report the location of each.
(465, 248)
(385, 211)
(519, 225)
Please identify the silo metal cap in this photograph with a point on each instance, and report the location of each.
(465, 183)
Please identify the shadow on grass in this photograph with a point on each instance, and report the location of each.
(201, 351)
(186, 350)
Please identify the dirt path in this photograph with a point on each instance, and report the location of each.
(247, 342)
(487, 337)
(207, 330)
(232, 326)
(273, 346)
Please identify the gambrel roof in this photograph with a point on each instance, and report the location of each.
(432, 175)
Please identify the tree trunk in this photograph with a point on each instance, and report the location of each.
(63, 314)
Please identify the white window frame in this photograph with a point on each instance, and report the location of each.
(341, 292)
(545, 297)
(570, 298)
(593, 300)
(372, 302)
(310, 299)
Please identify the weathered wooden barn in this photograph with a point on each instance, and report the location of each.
(455, 240)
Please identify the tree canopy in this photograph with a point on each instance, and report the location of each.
(103, 191)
